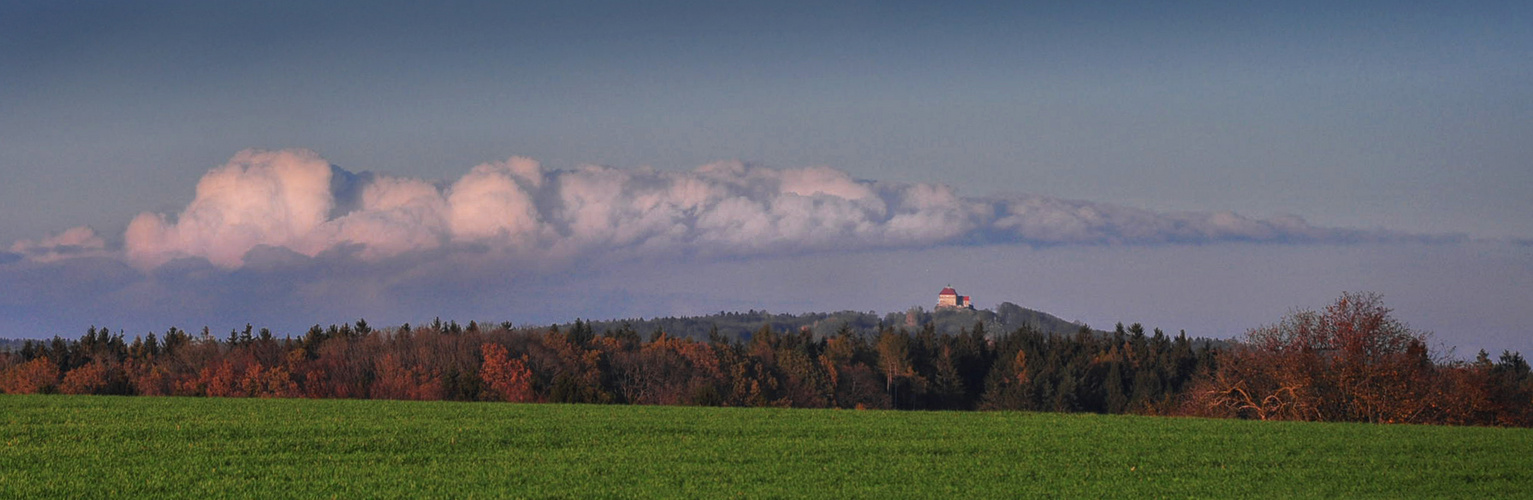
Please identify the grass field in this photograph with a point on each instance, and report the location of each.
(75, 446)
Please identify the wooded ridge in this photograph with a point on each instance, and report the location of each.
(1350, 362)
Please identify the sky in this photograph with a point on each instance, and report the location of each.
(1203, 167)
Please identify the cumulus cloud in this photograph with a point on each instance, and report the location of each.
(296, 201)
(276, 198)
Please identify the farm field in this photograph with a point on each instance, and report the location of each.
(92, 446)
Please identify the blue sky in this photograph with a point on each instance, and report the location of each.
(1398, 118)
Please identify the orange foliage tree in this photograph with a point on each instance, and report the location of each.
(1351, 362)
(37, 376)
(221, 381)
(400, 380)
(508, 378)
(89, 378)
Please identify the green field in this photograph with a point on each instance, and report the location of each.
(79, 446)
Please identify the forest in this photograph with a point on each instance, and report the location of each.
(1351, 361)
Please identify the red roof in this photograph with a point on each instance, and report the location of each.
(948, 291)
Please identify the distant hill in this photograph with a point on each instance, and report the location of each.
(1006, 318)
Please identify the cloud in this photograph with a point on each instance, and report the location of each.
(297, 201)
(276, 198)
(285, 239)
(1045, 220)
(71, 243)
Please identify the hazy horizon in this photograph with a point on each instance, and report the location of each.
(1207, 167)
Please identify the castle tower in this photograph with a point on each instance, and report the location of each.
(947, 298)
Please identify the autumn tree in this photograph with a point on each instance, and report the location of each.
(398, 378)
(94, 377)
(894, 362)
(572, 373)
(508, 378)
(1353, 361)
(37, 376)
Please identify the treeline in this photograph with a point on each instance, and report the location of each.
(1128, 371)
(1351, 362)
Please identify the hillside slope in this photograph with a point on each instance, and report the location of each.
(1005, 318)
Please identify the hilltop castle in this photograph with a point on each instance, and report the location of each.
(949, 299)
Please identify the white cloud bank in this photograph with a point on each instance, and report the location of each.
(514, 241)
(296, 200)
